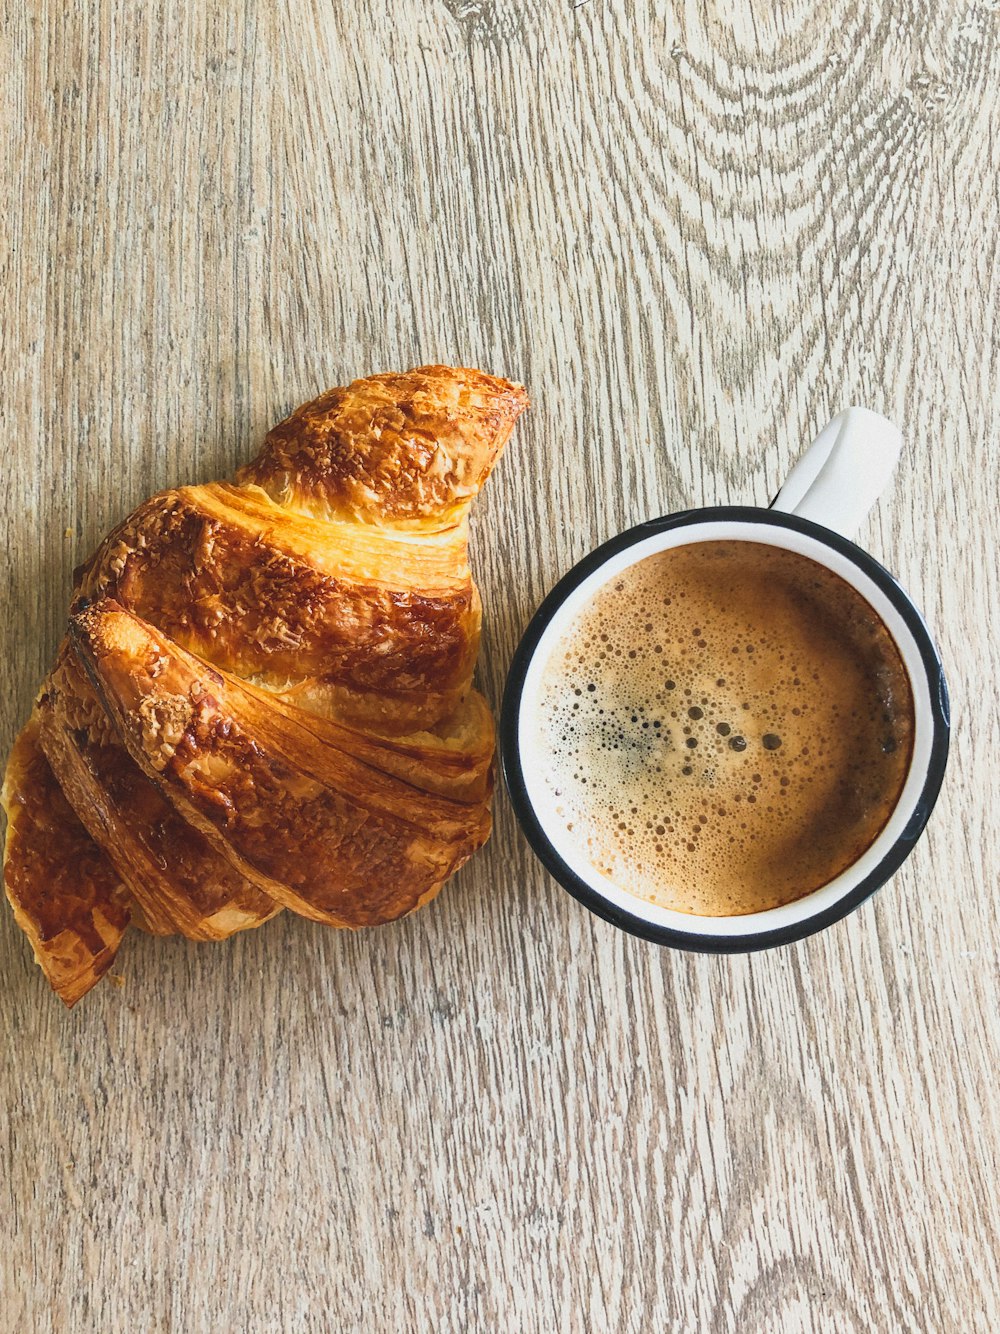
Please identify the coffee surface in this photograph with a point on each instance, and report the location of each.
(725, 727)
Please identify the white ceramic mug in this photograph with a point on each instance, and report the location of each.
(819, 508)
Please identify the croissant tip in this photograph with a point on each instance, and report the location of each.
(501, 385)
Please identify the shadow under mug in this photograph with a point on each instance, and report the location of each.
(825, 498)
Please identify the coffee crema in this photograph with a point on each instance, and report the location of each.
(725, 727)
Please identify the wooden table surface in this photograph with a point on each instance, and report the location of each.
(695, 235)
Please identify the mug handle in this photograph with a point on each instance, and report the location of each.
(842, 473)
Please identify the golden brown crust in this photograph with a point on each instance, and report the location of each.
(410, 450)
(315, 827)
(455, 759)
(66, 895)
(374, 628)
(175, 876)
(265, 698)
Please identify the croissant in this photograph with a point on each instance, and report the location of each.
(263, 699)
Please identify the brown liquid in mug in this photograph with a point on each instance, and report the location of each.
(725, 727)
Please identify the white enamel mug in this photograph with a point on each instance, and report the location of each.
(827, 495)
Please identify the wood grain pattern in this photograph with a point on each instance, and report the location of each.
(695, 232)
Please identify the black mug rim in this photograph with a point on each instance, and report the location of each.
(750, 941)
